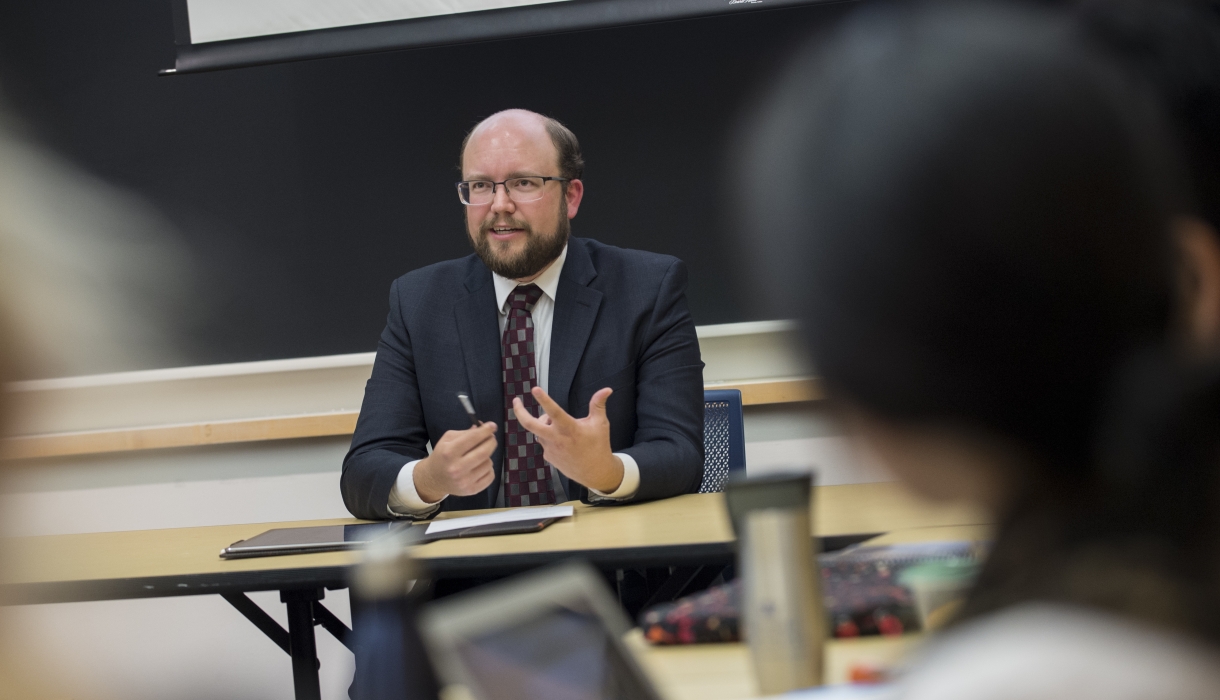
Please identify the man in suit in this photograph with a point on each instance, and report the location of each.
(585, 353)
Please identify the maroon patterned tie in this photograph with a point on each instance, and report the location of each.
(527, 476)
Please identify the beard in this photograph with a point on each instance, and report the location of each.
(540, 248)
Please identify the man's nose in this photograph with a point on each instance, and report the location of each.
(500, 201)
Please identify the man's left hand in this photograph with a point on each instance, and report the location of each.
(578, 447)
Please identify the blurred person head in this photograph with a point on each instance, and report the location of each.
(970, 213)
(1174, 47)
(524, 224)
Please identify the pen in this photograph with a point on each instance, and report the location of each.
(474, 420)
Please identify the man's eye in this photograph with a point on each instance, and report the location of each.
(478, 186)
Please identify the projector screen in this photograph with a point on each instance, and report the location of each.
(220, 20)
(216, 34)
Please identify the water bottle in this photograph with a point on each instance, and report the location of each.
(391, 663)
(782, 610)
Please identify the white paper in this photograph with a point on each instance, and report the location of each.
(507, 516)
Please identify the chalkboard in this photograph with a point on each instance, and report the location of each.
(302, 190)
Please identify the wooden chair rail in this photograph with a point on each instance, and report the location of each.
(155, 437)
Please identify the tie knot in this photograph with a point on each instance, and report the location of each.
(524, 297)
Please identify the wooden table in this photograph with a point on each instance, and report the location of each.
(185, 561)
(687, 530)
(726, 672)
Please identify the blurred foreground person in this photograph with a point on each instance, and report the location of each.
(18, 679)
(1174, 47)
(88, 275)
(971, 215)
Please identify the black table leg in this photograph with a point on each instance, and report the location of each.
(332, 624)
(301, 642)
(260, 618)
(304, 611)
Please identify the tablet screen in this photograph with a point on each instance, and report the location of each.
(321, 536)
(564, 654)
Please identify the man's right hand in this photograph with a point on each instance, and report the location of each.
(460, 464)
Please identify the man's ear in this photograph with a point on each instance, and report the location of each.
(1199, 243)
(572, 195)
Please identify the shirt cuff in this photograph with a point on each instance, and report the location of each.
(630, 483)
(405, 500)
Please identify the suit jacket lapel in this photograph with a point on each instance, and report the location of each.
(479, 335)
(576, 307)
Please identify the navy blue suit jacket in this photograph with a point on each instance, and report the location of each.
(620, 321)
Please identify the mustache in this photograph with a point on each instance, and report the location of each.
(487, 226)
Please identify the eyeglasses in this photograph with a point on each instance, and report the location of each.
(519, 189)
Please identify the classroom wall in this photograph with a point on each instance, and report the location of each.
(164, 648)
(295, 194)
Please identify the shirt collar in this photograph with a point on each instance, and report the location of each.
(548, 281)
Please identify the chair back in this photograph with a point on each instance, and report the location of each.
(724, 438)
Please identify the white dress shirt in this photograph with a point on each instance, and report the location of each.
(405, 500)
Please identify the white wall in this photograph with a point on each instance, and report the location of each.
(731, 352)
(198, 647)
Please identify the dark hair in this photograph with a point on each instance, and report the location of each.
(571, 161)
(1173, 45)
(968, 210)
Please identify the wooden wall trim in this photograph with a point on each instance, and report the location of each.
(184, 435)
(155, 437)
(768, 391)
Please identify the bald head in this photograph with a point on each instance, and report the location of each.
(516, 131)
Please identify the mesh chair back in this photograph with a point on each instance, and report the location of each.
(724, 438)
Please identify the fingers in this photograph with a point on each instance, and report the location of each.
(473, 471)
(528, 421)
(597, 403)
(460, 463)
(484, 481)
(486, 436)
(459, 442)
(554, 410)
(481, 451)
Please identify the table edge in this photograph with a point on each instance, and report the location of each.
(335, 576)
